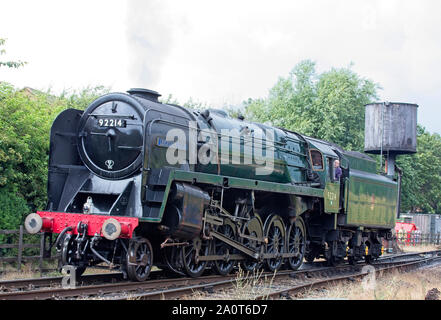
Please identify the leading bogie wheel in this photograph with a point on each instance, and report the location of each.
(67, 257)
(139, 259)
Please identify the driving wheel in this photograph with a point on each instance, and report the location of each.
(296, 243)
(275, 235)
(253, 229)
(226, 265)
(190, 257)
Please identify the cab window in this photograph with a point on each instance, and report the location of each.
(316, 160)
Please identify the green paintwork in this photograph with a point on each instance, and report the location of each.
(332, 196)
(233, 182)
(236, 138)
(361, 164)
(241, 183)
(371, 200)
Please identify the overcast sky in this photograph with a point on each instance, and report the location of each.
(223, 52)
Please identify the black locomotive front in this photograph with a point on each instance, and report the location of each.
(102, 162)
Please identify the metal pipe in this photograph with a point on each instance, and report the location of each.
(60, 236)
(400, 174)
(97, 254)
(382, 135)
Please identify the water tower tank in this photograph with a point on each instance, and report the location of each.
(390, 128)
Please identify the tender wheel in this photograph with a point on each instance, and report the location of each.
(139, 259)
(190, 255)
(224, 267)
(352, 261)
(253, 228)
(67, 257)
(275, 233)
(368, 259)
(296, 243)
(331, 261)
(312, 251)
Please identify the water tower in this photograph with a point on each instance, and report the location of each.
(390, 130)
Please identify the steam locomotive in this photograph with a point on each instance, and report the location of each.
(136, 183)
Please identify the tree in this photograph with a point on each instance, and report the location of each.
(328, 106)
(422, 175)
(9, 64)
(26, 117)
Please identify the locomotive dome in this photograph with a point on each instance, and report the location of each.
(110, 135)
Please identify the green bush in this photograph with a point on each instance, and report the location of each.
(12, 209)
(26, 117)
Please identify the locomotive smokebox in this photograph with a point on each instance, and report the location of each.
(390, 129)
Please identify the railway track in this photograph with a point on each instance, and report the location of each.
(109, 289)
(45, 282)
(118, 289)
(299, 285)
(303, 279)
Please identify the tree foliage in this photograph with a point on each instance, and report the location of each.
(330, 106)
(190, 103)
(422, 175)
(13, 208)
(327, 106)
(26, 117)
(9, 64)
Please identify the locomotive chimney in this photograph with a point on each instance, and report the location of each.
(145, 94)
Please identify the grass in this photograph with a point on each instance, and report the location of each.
(30, 270)
(395, 285)
(246, 287)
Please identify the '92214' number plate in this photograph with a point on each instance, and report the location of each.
(106, 122)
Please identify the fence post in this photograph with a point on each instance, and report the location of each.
(41, 253)
(20, 248)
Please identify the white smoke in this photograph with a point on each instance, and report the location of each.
(149, 41)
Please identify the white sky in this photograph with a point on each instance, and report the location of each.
(223, 52)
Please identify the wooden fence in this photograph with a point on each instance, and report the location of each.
(19, 256)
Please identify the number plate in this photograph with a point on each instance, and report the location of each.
(111, 122)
